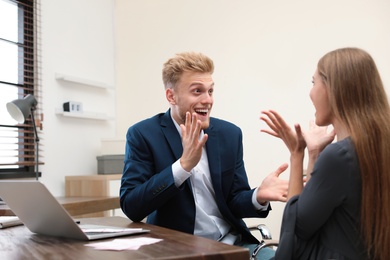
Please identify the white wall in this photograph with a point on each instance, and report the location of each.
(265, 54)
(77, 40)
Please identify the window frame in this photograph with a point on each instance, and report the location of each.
(28, 83)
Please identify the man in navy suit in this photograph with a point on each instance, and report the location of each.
(184, 170)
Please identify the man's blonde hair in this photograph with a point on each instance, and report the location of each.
(186, 61)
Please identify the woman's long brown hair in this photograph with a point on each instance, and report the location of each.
(359, 100)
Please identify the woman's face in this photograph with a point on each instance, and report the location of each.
(319, 97)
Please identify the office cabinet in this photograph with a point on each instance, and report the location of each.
(94, 186)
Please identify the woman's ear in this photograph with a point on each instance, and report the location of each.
(170, 95)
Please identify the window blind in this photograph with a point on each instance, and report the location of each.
(19, 75)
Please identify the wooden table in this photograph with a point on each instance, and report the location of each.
(77, 205)
(19, 243)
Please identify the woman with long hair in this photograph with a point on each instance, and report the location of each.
(343, 209)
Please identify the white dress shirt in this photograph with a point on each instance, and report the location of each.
(209, 222)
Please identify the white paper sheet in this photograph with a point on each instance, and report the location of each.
(124, 244)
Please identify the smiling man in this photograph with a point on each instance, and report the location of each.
(184, 170)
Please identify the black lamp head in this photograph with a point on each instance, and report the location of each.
(20, 109)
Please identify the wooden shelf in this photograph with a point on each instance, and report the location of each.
(83, 81)
(83, 115)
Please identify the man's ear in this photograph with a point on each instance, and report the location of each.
(170, 95)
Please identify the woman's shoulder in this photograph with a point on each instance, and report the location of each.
(339, 150)
(338, 157)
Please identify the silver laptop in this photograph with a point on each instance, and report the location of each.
(41, 213)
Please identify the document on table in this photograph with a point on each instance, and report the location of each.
(9, 221)
(86, 229)
(124, 244)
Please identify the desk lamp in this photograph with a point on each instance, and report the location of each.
(20, 109)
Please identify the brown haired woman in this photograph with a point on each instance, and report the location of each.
(343, 211)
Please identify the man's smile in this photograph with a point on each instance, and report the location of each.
(202, 111)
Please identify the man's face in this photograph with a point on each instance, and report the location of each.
(193, 93)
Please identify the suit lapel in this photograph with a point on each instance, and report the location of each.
(171, 135)
(214, 157)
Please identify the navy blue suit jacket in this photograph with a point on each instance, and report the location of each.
(148, 188)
